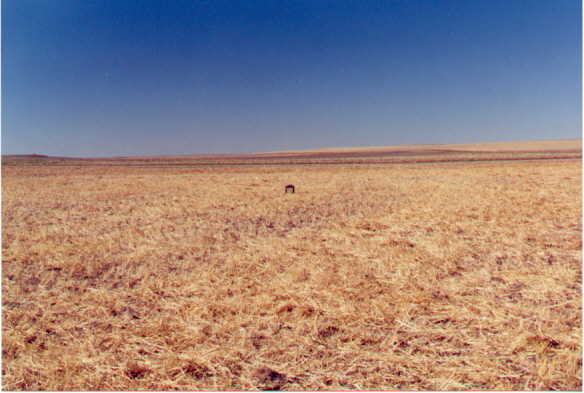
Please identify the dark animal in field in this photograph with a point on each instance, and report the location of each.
(289, 187)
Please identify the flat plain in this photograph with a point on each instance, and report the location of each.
(433, 271)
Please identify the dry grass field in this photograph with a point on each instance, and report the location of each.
(434, 276)
(399, 154)
(549, 145)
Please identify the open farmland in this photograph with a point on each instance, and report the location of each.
(399, 154)
(459, 275)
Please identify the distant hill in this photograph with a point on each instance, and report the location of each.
(559, 145)
(486, 151)
(24, 156)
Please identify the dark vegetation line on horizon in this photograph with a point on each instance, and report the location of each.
(158, 164)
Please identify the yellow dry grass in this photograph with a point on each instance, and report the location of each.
(428, 276)
(557, 145)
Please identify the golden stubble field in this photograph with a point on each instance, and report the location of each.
(389, 277)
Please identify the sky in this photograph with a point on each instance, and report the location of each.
(141, 77)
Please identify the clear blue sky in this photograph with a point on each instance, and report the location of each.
(129, 77)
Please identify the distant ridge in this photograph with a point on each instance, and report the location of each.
(567, 145)
(550, 146)
(25, 155)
